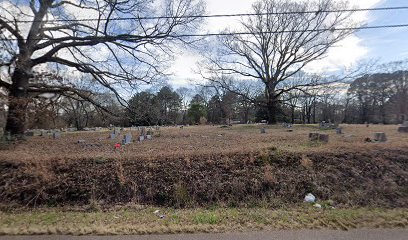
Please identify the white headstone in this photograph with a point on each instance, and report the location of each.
(112, 136)
(56, 135)
(127, 139)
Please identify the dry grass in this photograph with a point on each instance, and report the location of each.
(202, 140)
(144, 221)
(203, 165)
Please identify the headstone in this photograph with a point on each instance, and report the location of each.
(313, 136)
(143, 131)
(29, 134)
(56, 135)
(325, 125)
(141, 138)
(380, 137)
(127, 139)
(116, 131)
(403, 128)
(149, 137)
(112, 136)
(339, 130)
(324, 138)
(318, 137)
(263, 130)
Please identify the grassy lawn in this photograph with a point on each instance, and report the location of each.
(143, 220)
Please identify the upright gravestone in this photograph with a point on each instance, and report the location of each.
(127, 139)
(263, 130)
(141, 138)
(339, 130)
(112, 136)
(149, 137)
(116, 131)
(324, 138)
(56, 135)
(143, 131)
(380, 137)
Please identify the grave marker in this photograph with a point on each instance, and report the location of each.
(324, 138)
(143, 131)
(403, 128)
(56, 135)
(29, 134)
(127, 139)
(112, 136)
(318, 137)
(380, 137)
(339, 130)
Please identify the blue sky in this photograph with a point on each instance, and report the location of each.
(383, 45)
(387, 44)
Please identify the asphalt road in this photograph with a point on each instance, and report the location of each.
(363, 234)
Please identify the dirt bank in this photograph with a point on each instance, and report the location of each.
(372, 178)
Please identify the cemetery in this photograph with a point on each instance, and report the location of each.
(205, 165)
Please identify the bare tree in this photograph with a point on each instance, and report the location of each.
(280, 44)
(114, 44)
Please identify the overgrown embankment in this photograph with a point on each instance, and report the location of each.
(375, 178)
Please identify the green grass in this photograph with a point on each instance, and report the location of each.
(142, 220)
(206, 218)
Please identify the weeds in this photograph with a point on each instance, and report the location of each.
(206, 218)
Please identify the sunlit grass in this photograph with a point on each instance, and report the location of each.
(143, 220)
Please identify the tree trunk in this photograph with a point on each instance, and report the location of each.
(272, 111)
(17, 103)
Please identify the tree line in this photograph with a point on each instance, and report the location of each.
(378, 97)
(57, 69)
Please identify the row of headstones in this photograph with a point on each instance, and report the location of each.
(314, 136)
(127, 139)
(55, 134)
(325, 125)
(138, 128)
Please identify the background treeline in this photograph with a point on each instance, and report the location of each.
(374, 98)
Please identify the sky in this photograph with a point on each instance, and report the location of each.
(383, 45)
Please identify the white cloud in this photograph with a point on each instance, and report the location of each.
(184, 69)
(346, 52)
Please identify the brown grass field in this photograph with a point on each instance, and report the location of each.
(174, 142)
(205, 179)
(206, 165)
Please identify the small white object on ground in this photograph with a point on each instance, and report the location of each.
(310, 198)
(317, 205)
